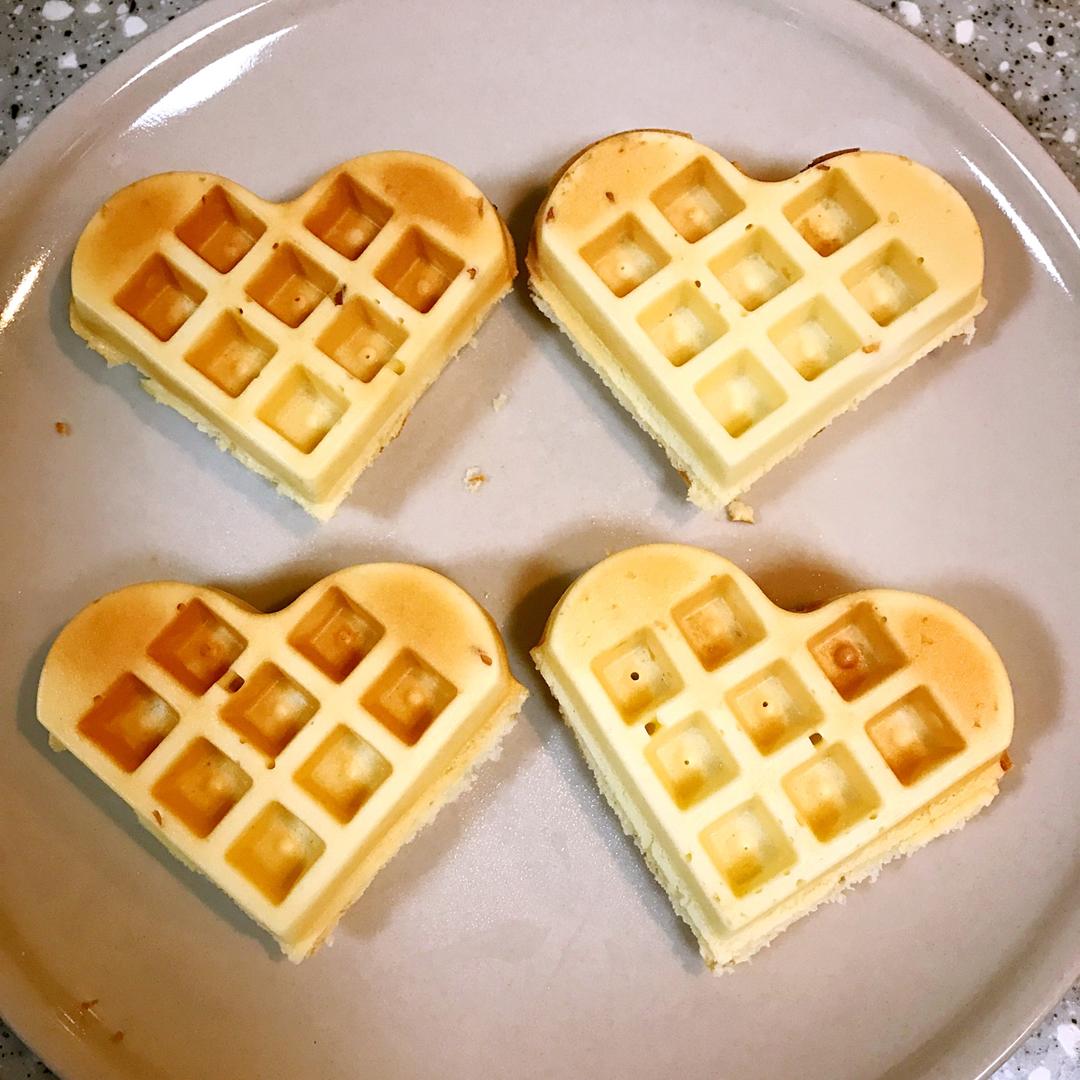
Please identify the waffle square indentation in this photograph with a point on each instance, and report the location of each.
(755, 269)
(773, 707)
(275, 851)
(269, 710)
(290, 285)
(220, 230)
(890, 283)
(348, 217)
(748, 847)
(231, 354)
(830, 213)
(362, 339)
(302, 409)
(625, 255)
(201, 786)
(197, 647)
(691, 760)
(813, 338)
(697, 200)
(831, 792)
(740, 392)
(128, 722)
(637, 675)
(856, 652)
(682, 324)
(718, 623)
(336, 634)
(914, 736)
(409, 696)
(160, 296)
(343, 773)
(419, 270)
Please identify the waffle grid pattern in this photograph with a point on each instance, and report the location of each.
(292, 320)
(274, 755)
(774, 762)
(755, 300)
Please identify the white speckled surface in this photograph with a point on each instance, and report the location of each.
(1023, 53)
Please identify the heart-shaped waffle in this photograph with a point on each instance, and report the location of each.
(764, 760)
(735, 318)
(285, 756)
(298, 334)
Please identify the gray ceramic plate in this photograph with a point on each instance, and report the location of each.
(521, 935)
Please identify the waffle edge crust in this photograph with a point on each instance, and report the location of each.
(299, 335)
(735, 318)
(766, 761)
(285, 756)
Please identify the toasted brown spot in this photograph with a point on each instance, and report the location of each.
(610, 196)
(832, 153)
(471, 272)
(871, 346)
(156, 815)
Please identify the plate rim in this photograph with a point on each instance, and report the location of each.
(843, 20)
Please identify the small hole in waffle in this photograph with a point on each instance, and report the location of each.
(755, 269)
(348, 217)
(197, 647)
(303, 408)
(718, 623)
(813, 338)
(290, 285)
(831, 792)
(275, 851)
(419, 270)
(697, 200)
(773, 707)
(691, 760)
(748, 847)
(160, 296)
(231, 353)
(128, 722)
(637, 675)
(220, 230)
(830, 213)
(270, 709)
(889, 283)
(914, 736)
(343, 773)
(856, 652)
(682, 324)
(409, 696)
(740, 393)
(201, 786)
(336, 634)
(624, 255)
(361, 339)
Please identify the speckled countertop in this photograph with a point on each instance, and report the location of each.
(1024, 53)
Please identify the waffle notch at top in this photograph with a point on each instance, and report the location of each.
(299, 334)
(735, 318)
(765, 760)
(286, 756)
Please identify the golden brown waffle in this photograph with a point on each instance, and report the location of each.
(765, 760)
(285, 756)
(735, 318)
(300, 334)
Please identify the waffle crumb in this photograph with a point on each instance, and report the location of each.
(474, 479)
(499, 402)
(61, 427)
(741, 512)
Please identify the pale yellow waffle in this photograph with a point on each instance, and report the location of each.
(286, 756)
(299, 334)
(735, 318)
(763, 760)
